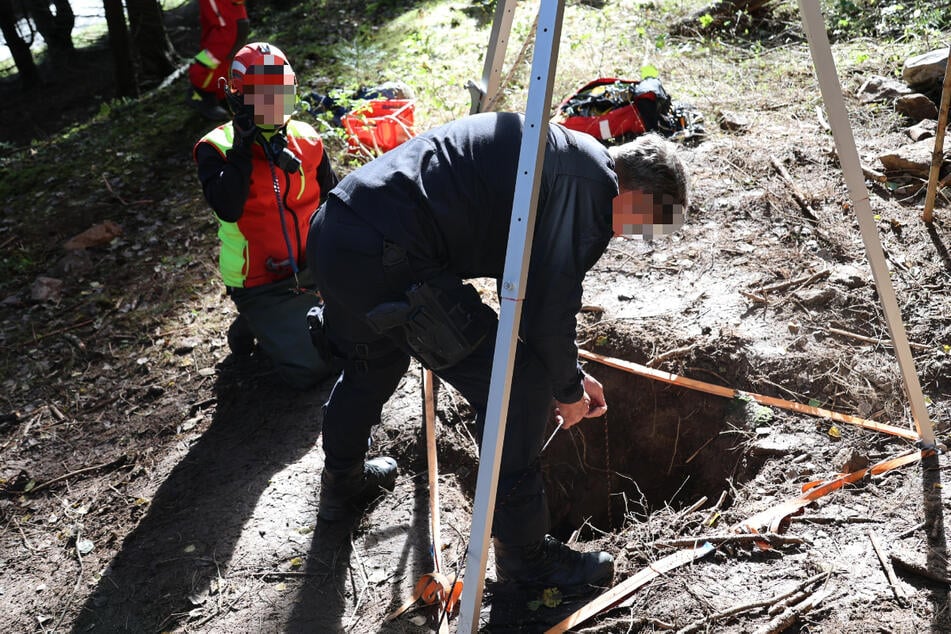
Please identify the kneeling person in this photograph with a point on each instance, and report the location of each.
(264, 173)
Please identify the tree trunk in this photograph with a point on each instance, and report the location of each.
(126, 84)
(56, 29)
(156, 54)
(19, 49)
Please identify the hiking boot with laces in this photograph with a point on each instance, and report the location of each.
(550, 563)
(347, 493)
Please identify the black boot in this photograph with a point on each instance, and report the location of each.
(206, 103)
(347, 493)
(549, 563)
(240, 337)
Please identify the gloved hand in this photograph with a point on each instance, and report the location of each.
(243, 123)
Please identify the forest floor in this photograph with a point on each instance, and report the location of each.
(152, 482)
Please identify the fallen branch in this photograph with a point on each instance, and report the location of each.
(778, 600)
(754, 297)
(221, 610)
(803, 205)
(729, 538)
(919, 570)
(799, 281)
(794, 613)
(793, 597)
(797, 594)
(699, 449)
(284, 573)
(79, 579)
(670, 354)
(878, 342)
(826, 519)
(893, 581)
(118, 462)
(728, 392)
(714, 513)
(907, 532)
(702, 624)
(120, 198)
(80, 324)
(26, 542)
(694, 507)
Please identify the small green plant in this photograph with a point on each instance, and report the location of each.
(887, 18)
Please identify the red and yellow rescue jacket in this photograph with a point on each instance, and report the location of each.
(255, 250)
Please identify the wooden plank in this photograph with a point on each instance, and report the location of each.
(623, 590)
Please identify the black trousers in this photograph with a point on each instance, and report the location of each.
(345, 254)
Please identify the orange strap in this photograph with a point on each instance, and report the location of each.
(432, 588)
(771, 518)
(775, 519)
(729, 392)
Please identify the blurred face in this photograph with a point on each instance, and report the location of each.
(274, 101)
(636, 212)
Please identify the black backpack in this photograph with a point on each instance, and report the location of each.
(617, 110)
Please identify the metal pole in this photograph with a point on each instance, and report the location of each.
(494, 56)
(518, 252)
(827, 75)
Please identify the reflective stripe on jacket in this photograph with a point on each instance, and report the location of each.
(254, 250)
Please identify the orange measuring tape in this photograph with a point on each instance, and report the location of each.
(775, 519)
(729, 392)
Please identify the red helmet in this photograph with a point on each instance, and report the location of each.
(258, 64)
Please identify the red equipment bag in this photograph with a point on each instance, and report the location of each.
(379, 126)
(620, 109)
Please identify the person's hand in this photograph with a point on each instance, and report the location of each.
(243, 123)
(590, 405)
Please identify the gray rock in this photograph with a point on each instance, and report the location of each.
(922, 130)
(850, 276)
(912, 159)
(850, 459)
(925, 70)
(916, 107)
(75, 263)
(878, 88)
(817, 297)
(732, 121)
(46, 289)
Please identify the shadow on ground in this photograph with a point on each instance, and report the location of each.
(199, 512)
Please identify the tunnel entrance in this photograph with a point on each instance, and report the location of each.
(658, 445)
